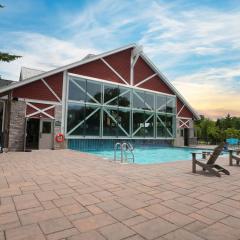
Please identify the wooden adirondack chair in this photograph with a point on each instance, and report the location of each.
(210, 165)
(235, 157)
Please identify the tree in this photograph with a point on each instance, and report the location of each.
(6, 57)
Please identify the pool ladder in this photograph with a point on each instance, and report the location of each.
(124, 148)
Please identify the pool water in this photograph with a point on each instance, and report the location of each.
(153, 155)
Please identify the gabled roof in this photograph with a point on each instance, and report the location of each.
(96, 57)
(29, 72)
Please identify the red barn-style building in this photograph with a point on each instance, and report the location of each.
(116, 96)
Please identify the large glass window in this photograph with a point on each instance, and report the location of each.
(92, 121)
(138, 124)
(99, 109)
(149, 124)
(111, 93)
(110, 124)
(171, 105)
(75, 119)
(77, 90)
(94, 92)
(161, 102)
(124, 97)
(124, 116)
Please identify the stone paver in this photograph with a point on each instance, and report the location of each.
(116, 231)
(55, 225)
(154, 228)
(123, 213)
(93, 222)
(70, 195)
(26, 232)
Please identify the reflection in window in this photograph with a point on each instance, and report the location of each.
(92, 121)
(138, 124)
(111, 94)
(93, 92)
(170, 108)
(149, 100)
(77, 90)
(76, 116)
(110, 110)
(161, 103)
(149, 124)
(46, 127)
(138, 100)
(124, 122)
(110, 117)
(164, 126)
(124, 97)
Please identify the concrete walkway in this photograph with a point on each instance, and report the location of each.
(69, 195)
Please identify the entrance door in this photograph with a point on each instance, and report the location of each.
(32, 133)
(186, 137)
(46, 134)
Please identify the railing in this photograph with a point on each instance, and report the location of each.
(124, 148)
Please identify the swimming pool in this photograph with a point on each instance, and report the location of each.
(153, 155)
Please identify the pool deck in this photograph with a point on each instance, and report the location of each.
(71, 195)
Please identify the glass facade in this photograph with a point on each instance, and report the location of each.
(104, 110)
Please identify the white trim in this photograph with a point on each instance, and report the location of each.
(182, 124)
(51, 90)
(146, 79)
(165, 80)
(66, 104)
(109, 66)
(97, 57)
(40, 111)
(39, 101)
(131, 69)
(160, 120)
(83, 90)
(180, 110)
(108, 137)
(119, 125)
(120, 84)
(86, 118)
(66, 67)
(184, 118)
(64, 100)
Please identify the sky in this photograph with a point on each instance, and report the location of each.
(195, 44)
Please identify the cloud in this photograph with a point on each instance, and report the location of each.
(196, 46)
(41, 52)
(214, 92)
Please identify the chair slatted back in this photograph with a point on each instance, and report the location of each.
(216, 152)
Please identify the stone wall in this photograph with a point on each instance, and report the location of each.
(57, 128)
(17, 126)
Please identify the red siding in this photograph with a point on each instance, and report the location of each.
(55, 82)
(185, 112)
(156, 84)
(186, 123)
(37, 90)
(41, 106)
(97, 69)
(121, 63)
(141, 71)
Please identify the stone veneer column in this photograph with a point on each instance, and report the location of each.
(57, 128)
(17, 126)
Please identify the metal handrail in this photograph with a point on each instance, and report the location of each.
(115, 151)
(124, 147)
